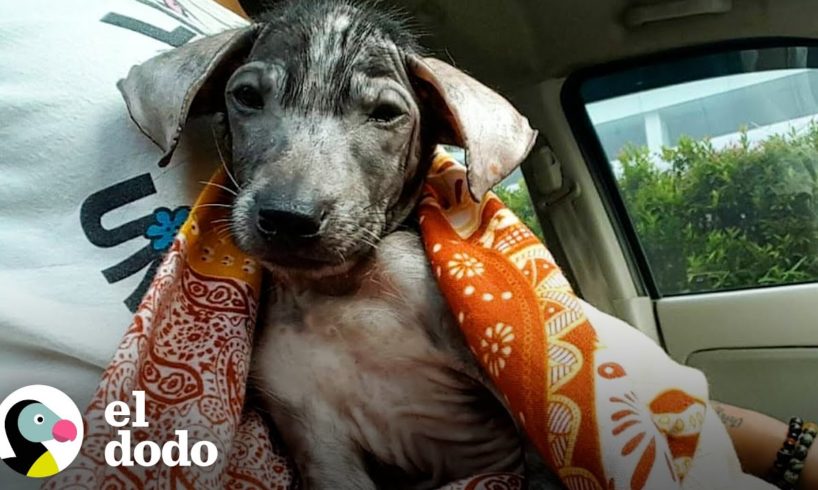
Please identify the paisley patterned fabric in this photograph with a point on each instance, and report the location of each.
(603, 404)
(188, 349)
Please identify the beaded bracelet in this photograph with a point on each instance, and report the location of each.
(796, 463)
(782, 458)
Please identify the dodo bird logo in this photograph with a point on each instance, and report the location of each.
(41, 431)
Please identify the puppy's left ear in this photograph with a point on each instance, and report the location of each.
(164, 91)
(495, 137)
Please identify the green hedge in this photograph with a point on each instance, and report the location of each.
(710, 219)
(742, 216)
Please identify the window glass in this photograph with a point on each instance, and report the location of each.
(716, 160)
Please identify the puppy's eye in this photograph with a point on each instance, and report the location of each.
(386, 113)
(249, 97)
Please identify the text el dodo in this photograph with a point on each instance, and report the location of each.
(148, 453)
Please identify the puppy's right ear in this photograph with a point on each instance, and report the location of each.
(164, 91)
(495, 137)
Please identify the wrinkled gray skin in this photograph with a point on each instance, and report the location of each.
(358, 360)
(332, 133)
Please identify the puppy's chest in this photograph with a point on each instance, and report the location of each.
(387, 370)
(377, 344)
(373, 368)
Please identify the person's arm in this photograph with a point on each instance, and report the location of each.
(757, 438)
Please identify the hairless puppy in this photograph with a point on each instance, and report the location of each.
(330, 116)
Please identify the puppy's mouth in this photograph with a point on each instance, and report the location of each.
(334, 250)
(299, 263)
(313, 262)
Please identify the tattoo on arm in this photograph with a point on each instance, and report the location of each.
(729, 421)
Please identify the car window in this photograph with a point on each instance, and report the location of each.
(715, 159)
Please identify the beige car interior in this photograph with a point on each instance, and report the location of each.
(759, 346)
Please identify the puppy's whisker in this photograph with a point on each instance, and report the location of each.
(222, 230)
(224, 188)
(374, 246)
(211, 205)
(221, 158)
(371, 233)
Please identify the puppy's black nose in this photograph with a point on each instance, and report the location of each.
(291, 222)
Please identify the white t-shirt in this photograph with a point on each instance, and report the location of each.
(85, 211)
